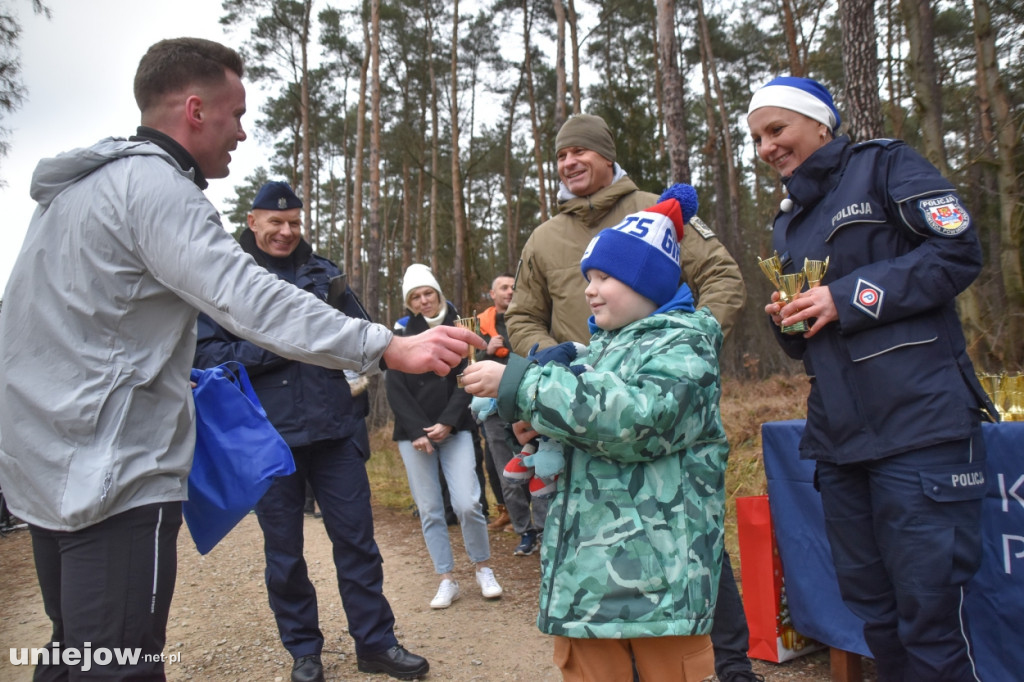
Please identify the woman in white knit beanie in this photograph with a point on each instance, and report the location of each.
(433, 429)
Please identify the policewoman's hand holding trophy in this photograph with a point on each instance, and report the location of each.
(789, 286)
(473, 325)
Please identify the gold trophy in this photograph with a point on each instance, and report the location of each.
(993, 385)
(788, 287)
(772, 268)
(1013, 394)
(815, 271)
(473, 325)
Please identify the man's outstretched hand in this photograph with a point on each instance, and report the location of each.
(436, 350)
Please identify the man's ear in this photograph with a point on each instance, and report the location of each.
(194, 111)
(251, 219)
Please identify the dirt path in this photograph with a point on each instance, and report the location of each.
(221, 629)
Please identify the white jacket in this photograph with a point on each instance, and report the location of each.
(97, 332)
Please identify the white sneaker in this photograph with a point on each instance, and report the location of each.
(447, 592)
(489, 586)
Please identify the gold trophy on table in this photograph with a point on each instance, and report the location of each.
(473, 325)
(788, 287)
(993, 385)
(1013, 395)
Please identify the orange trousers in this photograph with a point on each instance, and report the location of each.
(658, 659)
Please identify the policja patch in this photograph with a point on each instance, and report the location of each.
(944, 215)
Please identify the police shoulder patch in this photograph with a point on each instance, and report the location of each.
(944, 215)
(867, 297)
(701, 227)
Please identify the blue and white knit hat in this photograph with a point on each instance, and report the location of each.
(802, 95)
(642, 251)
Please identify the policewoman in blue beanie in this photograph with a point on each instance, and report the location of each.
(894, 410)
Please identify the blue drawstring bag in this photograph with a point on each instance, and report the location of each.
(238, 454)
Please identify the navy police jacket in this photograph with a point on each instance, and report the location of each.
(304, 402)
(892, 375)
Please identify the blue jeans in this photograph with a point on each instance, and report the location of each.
(457, 459)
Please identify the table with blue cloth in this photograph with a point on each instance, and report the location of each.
(995, 597)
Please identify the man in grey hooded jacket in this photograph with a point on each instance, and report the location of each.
(97, 337)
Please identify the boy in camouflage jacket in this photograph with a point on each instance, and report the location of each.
(633, 542)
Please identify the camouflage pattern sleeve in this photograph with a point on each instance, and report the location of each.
(647, 396)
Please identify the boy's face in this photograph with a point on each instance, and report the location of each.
(613, 303)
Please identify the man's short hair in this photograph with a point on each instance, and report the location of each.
(174, 64)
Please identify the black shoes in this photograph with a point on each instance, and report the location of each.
(396, 662)
(308, 669)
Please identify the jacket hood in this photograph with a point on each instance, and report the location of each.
(53, 175)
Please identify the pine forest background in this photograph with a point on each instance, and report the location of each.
(423, 131)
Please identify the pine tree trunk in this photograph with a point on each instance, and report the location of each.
(356, 280)
(538, 155)
(457, 212)
(435, 163)
(860, 69)
(307, 161)
(731, 225)
(919, 18)
(560, 78)
(574, 38)
(373, 246)
(1001, 133)
(672, 92)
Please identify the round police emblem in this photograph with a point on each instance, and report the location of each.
(944, 215)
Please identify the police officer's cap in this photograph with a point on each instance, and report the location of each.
(276, 196)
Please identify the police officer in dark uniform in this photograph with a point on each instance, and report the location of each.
(323, 422)
(893, 416)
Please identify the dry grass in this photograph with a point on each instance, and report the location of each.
(387, 473)
(745, 406)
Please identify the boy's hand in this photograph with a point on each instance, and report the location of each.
(523, 432)
(562, 354)
(482, 378)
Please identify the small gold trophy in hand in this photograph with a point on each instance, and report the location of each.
(473, 325)
(772, 268)
(815, 271)
(788, 287)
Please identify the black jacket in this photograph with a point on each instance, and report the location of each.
(422, 400)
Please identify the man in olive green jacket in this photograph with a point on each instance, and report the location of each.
(549, 306)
